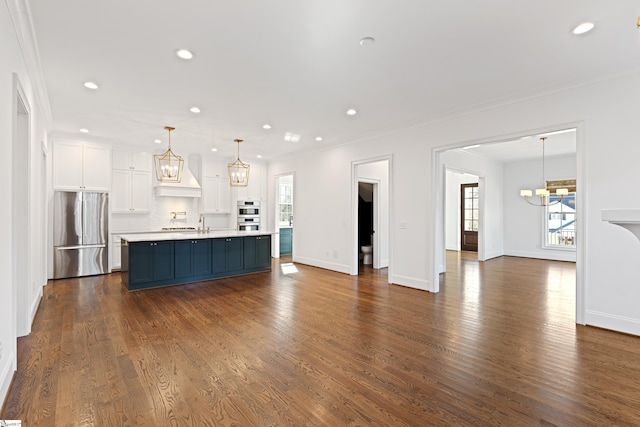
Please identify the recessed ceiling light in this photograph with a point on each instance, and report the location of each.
(259, 156)
(214, 149)
(83, 130)
(184, 54)
(194, 109)
(585, 27)
(91, 85)
(318, 138)
(291, 137)
(351, 112)
(367, 41)
(157, 141)
(266, 126)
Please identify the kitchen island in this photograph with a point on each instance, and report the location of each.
(151, 260)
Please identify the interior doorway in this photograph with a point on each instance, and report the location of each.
(284, 214)
(20, 232)
(367, 221)
(507, 166)
(371, 213)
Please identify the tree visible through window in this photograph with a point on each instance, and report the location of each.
(561, 221)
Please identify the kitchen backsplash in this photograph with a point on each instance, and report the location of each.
(160, 216)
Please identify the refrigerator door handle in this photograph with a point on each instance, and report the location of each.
(62, 248)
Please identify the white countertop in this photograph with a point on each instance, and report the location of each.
(188, 235)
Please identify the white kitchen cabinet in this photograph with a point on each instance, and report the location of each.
(131, 182)
(81, 166)
(216, 195)
(132, 160)
(256, 189)
(214, 168)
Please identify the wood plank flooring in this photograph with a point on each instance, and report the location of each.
(496, 347)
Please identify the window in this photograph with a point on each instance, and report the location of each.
(561, 217)
(286, 204)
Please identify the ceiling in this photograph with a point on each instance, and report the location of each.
(298, 65)
(558, 143)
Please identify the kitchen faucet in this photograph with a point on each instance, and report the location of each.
(202, 221)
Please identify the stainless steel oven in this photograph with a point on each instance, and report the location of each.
(248, 209)
(248, 215)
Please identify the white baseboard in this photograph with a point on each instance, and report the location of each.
(552, 255)
(34, 306)
(333, 266)
(611, 321)
(6, 374)
(410, 282)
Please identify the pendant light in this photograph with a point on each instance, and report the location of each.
(238, 171)
(168, 164)
(543, 193)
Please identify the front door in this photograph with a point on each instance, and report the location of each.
(469, 214)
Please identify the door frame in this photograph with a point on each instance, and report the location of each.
(438, 180)
(355, 250)
(275, 243)
(21, 276)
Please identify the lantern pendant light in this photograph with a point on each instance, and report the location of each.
(543, 193)
(238, 171)
(168, 164)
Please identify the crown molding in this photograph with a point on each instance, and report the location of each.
(20, 14)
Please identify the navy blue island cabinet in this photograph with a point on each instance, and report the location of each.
(171, 262)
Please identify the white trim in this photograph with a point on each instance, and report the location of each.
(6, 374)
(412, 282)
(25, 33)
(333, 266)
(615, 323)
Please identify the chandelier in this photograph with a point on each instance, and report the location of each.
(543, 193)
(238, 171)
(168, 164)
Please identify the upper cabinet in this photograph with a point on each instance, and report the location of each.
(216, 193)
(132, 184)
(81, 166)
(257, 187)
(132, 160)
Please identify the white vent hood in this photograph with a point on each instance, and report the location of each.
(188, 187)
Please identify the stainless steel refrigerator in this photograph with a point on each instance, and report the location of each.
(80, 233)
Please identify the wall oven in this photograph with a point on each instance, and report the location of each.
(248, 209)
(248, 215)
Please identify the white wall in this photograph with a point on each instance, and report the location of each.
(524, 224)
(24, 67)
(605, 114)
(452, 207)
(379, 172)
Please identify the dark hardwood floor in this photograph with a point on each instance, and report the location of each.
(497, 346)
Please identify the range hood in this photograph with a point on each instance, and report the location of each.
(188, 187)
